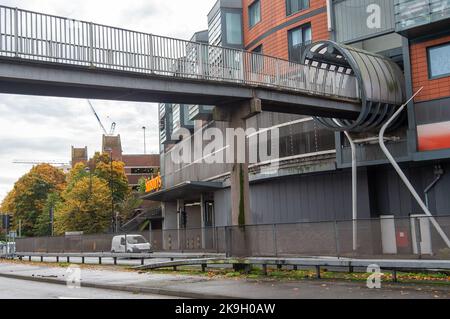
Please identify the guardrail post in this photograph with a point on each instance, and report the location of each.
(16, 32)
(277, 72)
(151, 56)
(91, 44)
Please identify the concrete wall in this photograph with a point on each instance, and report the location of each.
(193, 217)
(308, 198)
(169, 210)
(327, 196)
(222, 207)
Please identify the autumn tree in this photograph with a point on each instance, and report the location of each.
(114, 174)
(26, 201)
(85, 206)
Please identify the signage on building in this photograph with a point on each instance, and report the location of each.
(154, 184)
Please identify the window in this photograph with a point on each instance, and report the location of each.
(142, 171)
(293, 6)
(439, 61)
(254, 13)
(299, 38)
(234, 28)
(258, 49)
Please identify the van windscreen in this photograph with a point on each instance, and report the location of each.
(136, 240)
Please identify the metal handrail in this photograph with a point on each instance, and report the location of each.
(48, 38)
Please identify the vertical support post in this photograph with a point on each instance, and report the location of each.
(204, 267)
(99, 260)
(151, 55)
(142, 261)
(275, 244)
(57, 259)
(264, 268)
(318, 272)
(354, 192)
(203, 219)
(91, 44)
(336, 238)
(29, 258)
(82, 260)
(394, 275)
(16, 32)
(42, 259)
(68, 259)
(115, 260)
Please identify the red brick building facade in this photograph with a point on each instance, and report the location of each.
(272, 31)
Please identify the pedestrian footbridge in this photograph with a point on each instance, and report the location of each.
(47, 55)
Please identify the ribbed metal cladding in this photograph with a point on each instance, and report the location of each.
(380, 82)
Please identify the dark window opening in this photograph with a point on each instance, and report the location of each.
(254, 13)
(294, 6)
(299, 39)
(142, 171)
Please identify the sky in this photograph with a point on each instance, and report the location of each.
(44, 128)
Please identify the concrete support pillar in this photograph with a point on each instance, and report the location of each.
(237, 115)
(202, 218)
(180, 208)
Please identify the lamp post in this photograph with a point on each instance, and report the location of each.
(145, 142)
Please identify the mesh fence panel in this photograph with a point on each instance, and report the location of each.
(408, 237)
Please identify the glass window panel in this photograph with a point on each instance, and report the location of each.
(298, 39)
(234, 28)
(254, 13)
(439, 61)
(293, 6)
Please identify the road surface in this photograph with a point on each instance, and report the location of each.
(23, 289)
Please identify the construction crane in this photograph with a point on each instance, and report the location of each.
(113, 125)
(34, 162)
(98, 118)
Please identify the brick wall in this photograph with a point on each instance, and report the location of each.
(433, 88)
(273, 14)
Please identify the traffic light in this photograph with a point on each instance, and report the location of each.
(7, 221)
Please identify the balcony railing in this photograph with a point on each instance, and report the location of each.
(52, 39)
(411, 14)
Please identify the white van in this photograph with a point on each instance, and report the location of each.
(130, 244)
(7, 248)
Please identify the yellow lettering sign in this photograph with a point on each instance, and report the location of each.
(154, 184)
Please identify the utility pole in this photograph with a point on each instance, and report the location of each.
(145, 143)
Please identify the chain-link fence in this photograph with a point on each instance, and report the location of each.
(386, 237)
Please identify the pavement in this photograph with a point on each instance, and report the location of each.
(203, 287)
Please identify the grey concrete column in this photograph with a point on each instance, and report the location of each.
(180, 208)
(237, 115)
(202, 217)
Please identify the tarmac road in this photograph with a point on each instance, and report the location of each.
(23, 289)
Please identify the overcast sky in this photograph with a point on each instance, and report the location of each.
(42, 128)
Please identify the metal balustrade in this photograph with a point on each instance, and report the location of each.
(52, 39)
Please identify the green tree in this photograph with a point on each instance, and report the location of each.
(43, 222)
(27, 199)
(84, 207)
